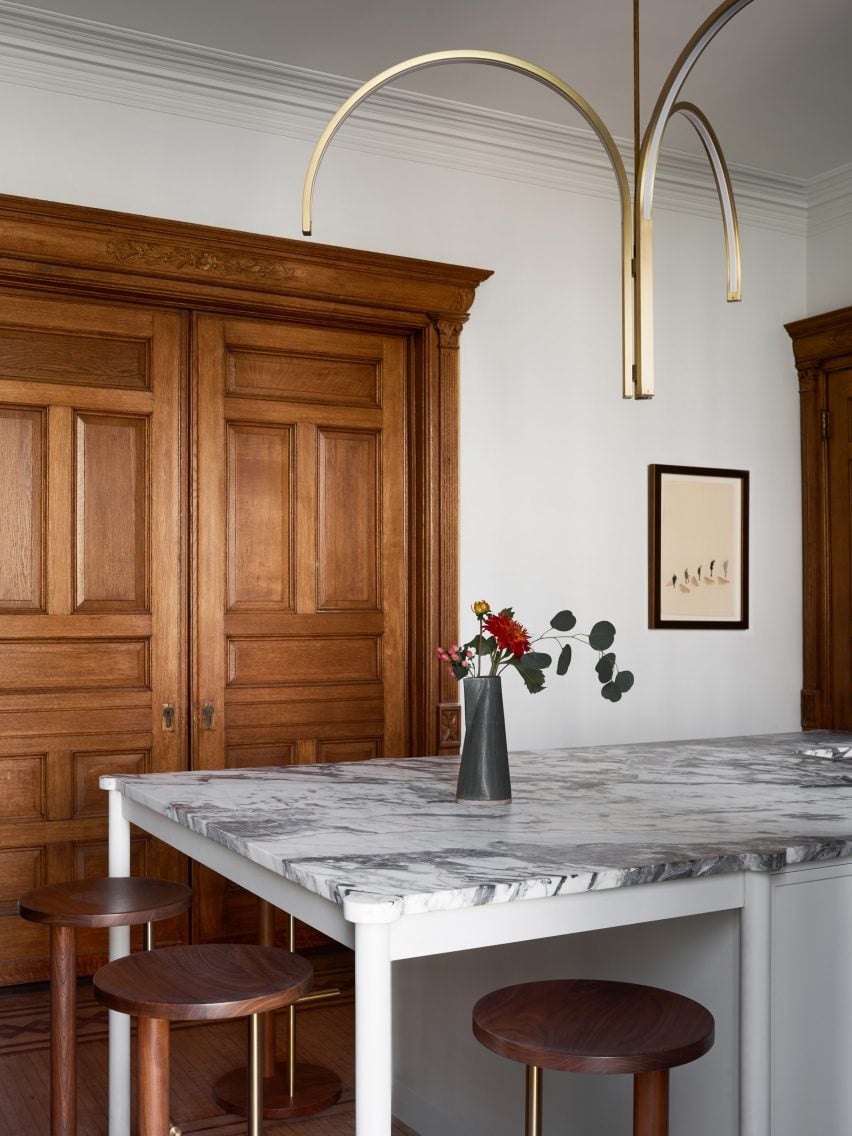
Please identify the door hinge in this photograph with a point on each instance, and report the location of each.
(825, 424)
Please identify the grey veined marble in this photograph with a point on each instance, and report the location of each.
(581, 819)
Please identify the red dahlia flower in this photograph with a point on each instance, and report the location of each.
(510, 635)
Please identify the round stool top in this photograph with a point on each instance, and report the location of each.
(205, 982)
(105, 901)
(592, 1026)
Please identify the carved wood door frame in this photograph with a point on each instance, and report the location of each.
(93, 253)
(822, 346)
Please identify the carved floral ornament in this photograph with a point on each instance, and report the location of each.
(207, 260)
(636, 214)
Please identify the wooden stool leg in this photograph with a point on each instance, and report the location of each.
(255, 1075)
(651, 1103)
(153, 1095)
(63, 1032)
(534, 1100)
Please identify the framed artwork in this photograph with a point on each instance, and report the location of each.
(697, 547)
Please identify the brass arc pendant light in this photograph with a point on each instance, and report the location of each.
(636, 211)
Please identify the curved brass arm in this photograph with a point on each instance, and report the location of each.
(723, 188)
(645, 175)
(511, 63)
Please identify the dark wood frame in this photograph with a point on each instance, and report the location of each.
(822, 346)
(656, 474)
(64, 249)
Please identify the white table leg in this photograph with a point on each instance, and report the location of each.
(373, 1041)
(119, 945)
(755, 1012)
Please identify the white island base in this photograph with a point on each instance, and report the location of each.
(446, 1084)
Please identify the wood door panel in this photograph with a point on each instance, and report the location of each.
(260, 508)
(111, 505)
(93, 413)
(45, 356)
(349, 541)
(23, 787)
(293, 660)
(74, 664)
(314, 379)
(22, 470)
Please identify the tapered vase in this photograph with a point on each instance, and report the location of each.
(484, 768)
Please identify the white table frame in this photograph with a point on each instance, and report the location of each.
(381, 934)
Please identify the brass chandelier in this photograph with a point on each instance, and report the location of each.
(636, 212)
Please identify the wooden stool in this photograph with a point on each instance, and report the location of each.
(590, 1026)
(113, 901)
(209, 982)
(291, 1088)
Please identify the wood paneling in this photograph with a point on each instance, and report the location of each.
(74, 664)
(349, 749)
(260, 517)
(314, 379)
(23, 787)
(323, 385)
(22, 472)
(349, 540)
(46, 356)
(282, 661)
(111, 506)
(21, 869)
(86, 667)
(89, 799)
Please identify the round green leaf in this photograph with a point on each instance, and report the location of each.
(611, 692)
(536, 660)
(564, 660)
(624, 681)
(563, 621)
(602, 635)
(605, 666)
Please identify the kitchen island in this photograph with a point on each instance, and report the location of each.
(379, 856)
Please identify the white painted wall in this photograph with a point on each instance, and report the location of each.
(830, 266)
(554, 464)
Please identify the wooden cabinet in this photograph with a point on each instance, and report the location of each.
(227, 525)
(823, 351)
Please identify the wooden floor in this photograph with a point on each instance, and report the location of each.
(200, 1054)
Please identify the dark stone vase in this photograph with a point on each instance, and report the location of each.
(484, 769)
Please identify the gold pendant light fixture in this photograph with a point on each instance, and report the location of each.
(636, 213)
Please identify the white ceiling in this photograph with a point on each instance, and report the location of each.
(776, 83)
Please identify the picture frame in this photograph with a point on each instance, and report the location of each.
(697, 548)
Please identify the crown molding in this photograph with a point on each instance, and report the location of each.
(98, 61)
(830, 201)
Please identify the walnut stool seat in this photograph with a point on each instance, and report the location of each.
(592, 1026)
(112, 901)
(209, 982)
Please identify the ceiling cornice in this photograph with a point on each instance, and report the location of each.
(98, 61)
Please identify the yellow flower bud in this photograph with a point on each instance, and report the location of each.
(481, 607)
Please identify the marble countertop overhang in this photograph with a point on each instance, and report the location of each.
(580, 819)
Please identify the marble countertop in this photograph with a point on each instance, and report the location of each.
(580, 820)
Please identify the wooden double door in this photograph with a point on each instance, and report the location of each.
(203, 562)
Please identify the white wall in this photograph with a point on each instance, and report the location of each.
(830, 267)
(554, 464)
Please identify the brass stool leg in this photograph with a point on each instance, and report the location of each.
(153, 1042)
(291, 1089)
(255, 1075)
(533, 1101)
(148, 937)
(651, 1103)
(63, 1032)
